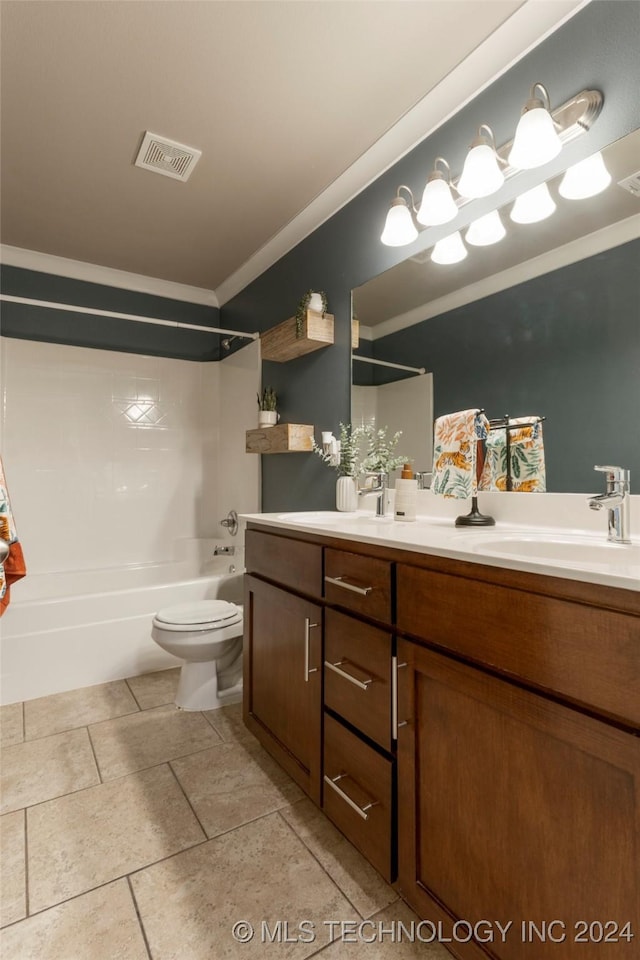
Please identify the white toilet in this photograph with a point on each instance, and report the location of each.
(207, 635)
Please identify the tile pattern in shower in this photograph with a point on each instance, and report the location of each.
(135, 831)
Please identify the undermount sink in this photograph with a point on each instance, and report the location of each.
(576, 551)
(314, 517)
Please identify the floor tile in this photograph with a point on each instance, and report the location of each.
(39, 770)
(392, 934)
(147, 738)
(229, 723)
(101, 925)
(78, 842)
(357, 879)
(11, 724)
(13, 905)
(155, 689)
(234, 783)
(260, 872)
(77, 708)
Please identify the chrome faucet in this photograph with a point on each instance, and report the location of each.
(375, 483)
(616, 499)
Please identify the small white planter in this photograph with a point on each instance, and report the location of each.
(346, 494)
(267, 418)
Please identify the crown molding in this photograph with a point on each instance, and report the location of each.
(107, 276)
(588, 246)
(525, 29)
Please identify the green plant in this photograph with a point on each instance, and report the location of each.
(381, 456)
(301, 310)
(347, 465)
(268, 399)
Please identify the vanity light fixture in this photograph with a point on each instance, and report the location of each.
(481, 174)
(449, 250)
(585, 179)
(486, 230)
(536, 140)
(438, 205)
(399, 228)
(539, 137)
(533, 205)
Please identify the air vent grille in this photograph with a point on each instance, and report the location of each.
(167, 157)
(631, 184)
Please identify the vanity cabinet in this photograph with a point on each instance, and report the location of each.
(473, 730)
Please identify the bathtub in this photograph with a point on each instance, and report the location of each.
(78, 628)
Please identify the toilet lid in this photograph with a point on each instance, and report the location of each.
(201, 611)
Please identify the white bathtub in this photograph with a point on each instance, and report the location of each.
(78, 628)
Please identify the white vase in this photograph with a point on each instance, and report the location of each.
(315, 302)
(267, 418)
(346, 494)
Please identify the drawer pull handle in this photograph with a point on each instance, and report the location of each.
(361, 811)
(362, 684)
(395, 666)
(341, 582)
(307, 639)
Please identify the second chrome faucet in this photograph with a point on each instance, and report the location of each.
(616, 499)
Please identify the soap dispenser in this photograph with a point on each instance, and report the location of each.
(406, 495)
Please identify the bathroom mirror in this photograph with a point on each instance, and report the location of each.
(544, 322)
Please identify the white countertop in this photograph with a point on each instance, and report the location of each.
(574, 553)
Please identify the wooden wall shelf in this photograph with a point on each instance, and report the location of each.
(281, 344)
(283, 438)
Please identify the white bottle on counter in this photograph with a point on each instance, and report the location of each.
(406, 495)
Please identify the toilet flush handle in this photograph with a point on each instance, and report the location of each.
(231, 522)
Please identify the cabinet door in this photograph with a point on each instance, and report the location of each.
(283, 679)
(515, 808)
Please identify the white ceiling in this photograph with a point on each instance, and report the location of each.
(294, 105)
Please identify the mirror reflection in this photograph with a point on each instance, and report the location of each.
(545, 322)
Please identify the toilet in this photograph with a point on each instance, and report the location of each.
(207, 636)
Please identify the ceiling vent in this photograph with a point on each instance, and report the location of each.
(167, 157)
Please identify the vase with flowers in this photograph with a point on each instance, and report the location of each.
(342, 455)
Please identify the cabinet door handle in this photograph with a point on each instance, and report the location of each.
(362, 684)
(341, 582)
(395, 666)
(361, 811)
(307, 639)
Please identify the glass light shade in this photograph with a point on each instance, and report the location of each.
(438, 205)
(533, 206)
(399, 228)
(585, 179)
(486, 230)
(481, 175)
(449, 250)
(536, 140)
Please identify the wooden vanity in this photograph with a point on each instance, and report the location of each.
(473, 730)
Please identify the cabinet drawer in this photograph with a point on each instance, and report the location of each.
(292, 563)
(357, 794)
(362, 584)
(357, 675)
(588, 654)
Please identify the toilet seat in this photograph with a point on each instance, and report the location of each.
(199, 615)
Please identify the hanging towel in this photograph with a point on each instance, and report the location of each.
(14, 567)
(455, 443)
(526, 454)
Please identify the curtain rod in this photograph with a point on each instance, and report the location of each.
(51, 305)
(387, 363)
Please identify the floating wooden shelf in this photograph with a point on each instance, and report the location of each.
(281, 344)
(283, 438)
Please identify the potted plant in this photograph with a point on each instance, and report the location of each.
(267, 416)
(342, 455)
(310, 301)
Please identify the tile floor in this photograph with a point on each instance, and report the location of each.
(134, 831)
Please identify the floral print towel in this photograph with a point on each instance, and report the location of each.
(526, 454)
(13, 567)
(455, 443)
